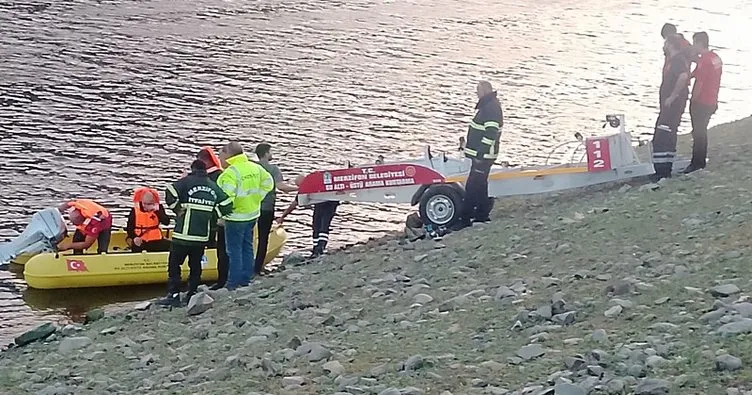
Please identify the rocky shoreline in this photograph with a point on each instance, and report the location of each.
(633, 289)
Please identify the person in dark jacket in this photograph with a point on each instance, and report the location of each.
(482, 146)
(217, 236)
(197, 202)
(673, 96)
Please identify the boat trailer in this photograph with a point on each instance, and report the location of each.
(436, 184)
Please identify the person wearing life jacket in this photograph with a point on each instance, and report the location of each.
(93, 223)
(247, 183)
(144, 219)
(217, 234)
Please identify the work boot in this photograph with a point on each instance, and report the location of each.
(171, 300)
(691, 169)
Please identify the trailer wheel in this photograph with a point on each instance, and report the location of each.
(440, 205)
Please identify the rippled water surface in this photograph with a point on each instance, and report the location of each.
(98, 97)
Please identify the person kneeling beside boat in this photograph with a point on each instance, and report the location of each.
(93, 223)
(143, 222)
(198, 202)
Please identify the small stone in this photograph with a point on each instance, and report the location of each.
(595, 370)
(616, 386)
(378, 371)
(655, 361)
(744, 309)
(390, 391)
(712, 316)
(728, 363)
(109, 331)
(142, 306)
(618, 288)
(293, 381)
(599, 335)
(568, 389)
(294, 259)
(39, 332)
(478, 383)
(637, 370)
(70, 344)
(613, 312)
(94, 315)
(410, 391)
(199, 303)
(736, 328)
(653, 387)
(725, 290)
(574, 364)
(315, 352)
(544, 312)
(531, 351)
(493, 366)
(504, 292)
(294, 343)
(649, 187)
(567, 318)
(334, 368)
(70, 329)
(603, 277)
(422, 299)
(415, 362)
(420, 258)
(662, 300)
(177, 377)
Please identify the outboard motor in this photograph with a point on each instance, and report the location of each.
(45, 230)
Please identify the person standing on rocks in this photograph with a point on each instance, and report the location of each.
(197, 202)
(482, 147)
(673, 95)
(247, 183)
(266, 219)
(704, 101)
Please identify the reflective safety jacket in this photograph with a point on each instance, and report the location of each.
(197, 202)
(247, 183)
(90, 210)
(484, 132)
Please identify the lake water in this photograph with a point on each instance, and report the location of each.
(98, 97)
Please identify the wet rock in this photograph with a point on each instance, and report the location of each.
(94, 315)
(199, 303)
(724, 290)
(334, 368)
(736, 328)
(38, 333)
(613, 312)
(70, 344)
(653, 387)
(728, 363)
(531, 351)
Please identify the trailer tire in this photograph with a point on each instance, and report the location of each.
(440, 205)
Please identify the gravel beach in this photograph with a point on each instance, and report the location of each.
(627, 289)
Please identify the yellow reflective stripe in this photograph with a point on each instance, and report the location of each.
(226, 202)
(490, 156)
(471, 151)
(477, 126)
(199, 207)
(239, 217)
(491, 124)
(180, 236)
(488, 141)
(174, 193)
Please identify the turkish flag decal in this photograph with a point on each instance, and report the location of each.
(75, 265)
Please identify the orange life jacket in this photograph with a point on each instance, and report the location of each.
(90, 210)
(147, 223)
(216, 164)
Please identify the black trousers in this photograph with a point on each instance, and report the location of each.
(476, 203)
(264, 224)
(178, 253)
(217, 240)
(103, 241)
(664, 137)
(323, 213)
(161, 245)
(700, 114)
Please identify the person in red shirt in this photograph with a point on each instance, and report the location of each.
(93, 223)
(704, 101)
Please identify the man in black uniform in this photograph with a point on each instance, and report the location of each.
(197, 202)
(673, 98)
(482, 146)
(217, 236)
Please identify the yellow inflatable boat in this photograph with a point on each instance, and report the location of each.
(119, 266)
